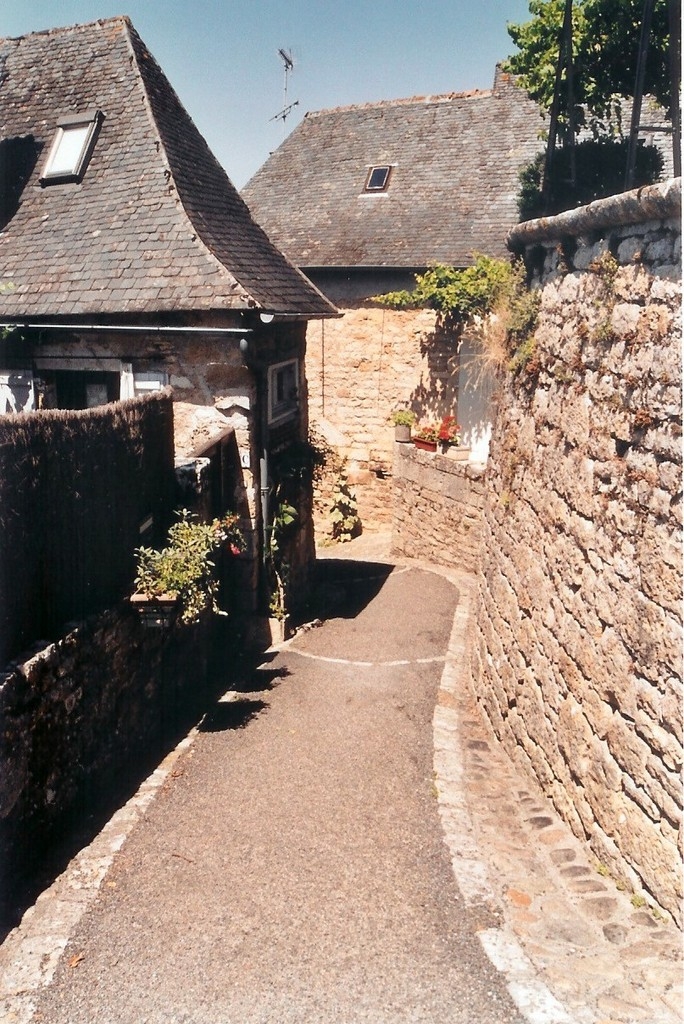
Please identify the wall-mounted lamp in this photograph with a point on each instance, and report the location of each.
(266, 318)
(244, 346)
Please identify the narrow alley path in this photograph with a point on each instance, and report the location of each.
(342, 840)
(293, 868)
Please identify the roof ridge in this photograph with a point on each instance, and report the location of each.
(123, 18)
(444, 97)
(224, 257)
(133, 37)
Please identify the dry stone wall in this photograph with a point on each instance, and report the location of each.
(578, 655)
(81, 716)
(437, 508)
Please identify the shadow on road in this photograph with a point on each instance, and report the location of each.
(99, 798)
(344, 587)
(234, 714)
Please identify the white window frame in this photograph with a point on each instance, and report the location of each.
(286, 408)
(56, 167)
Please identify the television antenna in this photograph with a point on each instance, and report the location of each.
(288, 65)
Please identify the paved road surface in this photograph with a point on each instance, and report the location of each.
(286, 861)
(294, 868)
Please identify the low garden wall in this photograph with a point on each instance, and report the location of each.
(87, 715)
(577, 660)
(437, 508)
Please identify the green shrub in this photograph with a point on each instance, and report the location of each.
(184, 568)
(600, 172)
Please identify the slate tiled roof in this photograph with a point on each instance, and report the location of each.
(452, 191)
(155, 224)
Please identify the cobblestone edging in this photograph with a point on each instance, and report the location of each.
(437, 508)
(573, 947)
(577, 659)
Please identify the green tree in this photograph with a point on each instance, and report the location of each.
(605, 49)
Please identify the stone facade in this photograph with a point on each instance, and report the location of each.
(578, 654)
(437, 508)
(221, 382)
(361, 367)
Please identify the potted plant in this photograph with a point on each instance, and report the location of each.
(445, 435)
(449, 440)
(403, 420)
(180, 578)
(426, 437)
(448, 433)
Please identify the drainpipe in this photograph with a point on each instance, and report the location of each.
(264, 490)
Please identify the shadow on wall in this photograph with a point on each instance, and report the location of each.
(476, 387)
(436, 395)
(459, 381)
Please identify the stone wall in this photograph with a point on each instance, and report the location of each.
(359, 369)
(437, 508)
(81, 716)
(578, 655)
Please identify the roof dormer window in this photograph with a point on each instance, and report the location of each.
(71, 147)
(378, 179)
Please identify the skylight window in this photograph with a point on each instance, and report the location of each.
(71, 147)
(378, 179)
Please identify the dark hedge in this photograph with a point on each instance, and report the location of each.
(75, 488)
(600, 172)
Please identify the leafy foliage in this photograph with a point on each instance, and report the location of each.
(469, 296)
(600, 172)
(456, 294)
(184, 568)
(344, 514)
(403, 417)
(300, 463)
(284, 520)
(605, 48)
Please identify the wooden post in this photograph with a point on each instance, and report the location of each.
(638, 93)
(674, 58)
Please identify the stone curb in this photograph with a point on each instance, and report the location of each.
(30, 953)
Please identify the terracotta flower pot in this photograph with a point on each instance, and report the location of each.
(426, 446)
(157, 612)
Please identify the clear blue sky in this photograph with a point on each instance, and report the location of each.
(221, 56)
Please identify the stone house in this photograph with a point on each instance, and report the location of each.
(362, 198)
(129, 262)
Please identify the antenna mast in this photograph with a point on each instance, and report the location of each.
(288, 64)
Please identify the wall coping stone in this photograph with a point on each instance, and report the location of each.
(661, 201)
(435, 461)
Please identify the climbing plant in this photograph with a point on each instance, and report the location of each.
(491, 297)
(284, 520)
(456, 294)
(344, 515)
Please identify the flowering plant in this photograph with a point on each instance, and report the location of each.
(184, 569)
(447, 431)
(428, 432)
